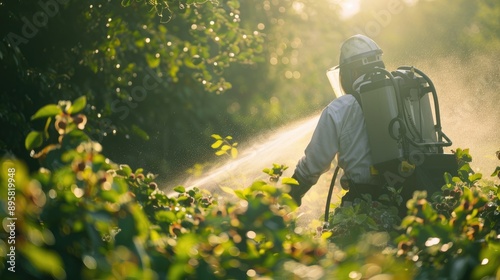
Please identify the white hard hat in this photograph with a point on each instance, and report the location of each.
(359, 48)
(358, 54)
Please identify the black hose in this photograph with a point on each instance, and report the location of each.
(330, 192)
(434, 97)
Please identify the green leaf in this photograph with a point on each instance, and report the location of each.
(220, 153)
(240, 194)
(495, 173)
(46, 128)
(448, 179)
(184, 243)
(33, 140)
(47, 111)
(139, 132)
(234, 152)
(384, 197)
(165, 216)
(126, 169)
(78, 105)
(359, 219)
(180, 189)
(289, 181)
(139, 171)
(217, 144)
(228, 190)
(464, 155)
(257, 185)
(475, 177)
(326, 235)
(110, 196)
(152, 60)
(44, 260)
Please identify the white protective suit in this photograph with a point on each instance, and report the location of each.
(340, 131)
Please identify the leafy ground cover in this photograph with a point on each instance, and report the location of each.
(82, 216)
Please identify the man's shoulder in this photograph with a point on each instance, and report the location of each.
(343, 101)
(346, 105)
(346, 97)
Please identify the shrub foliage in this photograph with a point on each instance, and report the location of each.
(82, 216)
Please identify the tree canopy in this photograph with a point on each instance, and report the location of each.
(161, 76)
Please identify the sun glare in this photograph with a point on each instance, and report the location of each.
(349, 8)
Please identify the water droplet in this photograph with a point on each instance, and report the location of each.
(354, 275)
(52, 193)
(78, 192)
(251, 273)
(89, 262)
(251, 234)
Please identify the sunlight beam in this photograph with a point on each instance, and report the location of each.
(348, 8)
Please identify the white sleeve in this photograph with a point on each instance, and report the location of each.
(322, 149)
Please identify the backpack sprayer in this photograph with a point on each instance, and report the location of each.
(399, 117)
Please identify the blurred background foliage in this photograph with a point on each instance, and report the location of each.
(161, 76)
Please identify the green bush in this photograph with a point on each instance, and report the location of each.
(83, 216)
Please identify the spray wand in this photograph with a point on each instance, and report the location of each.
(329, 197)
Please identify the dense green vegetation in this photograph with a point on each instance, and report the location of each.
(149, 69)
(83, 216)
(102, 101)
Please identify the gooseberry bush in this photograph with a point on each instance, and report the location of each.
(82, 216)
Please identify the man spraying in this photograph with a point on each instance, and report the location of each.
(381, 127)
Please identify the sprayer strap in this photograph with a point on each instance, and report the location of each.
(358, 98)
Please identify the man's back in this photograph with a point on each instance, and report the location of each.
(341, 130)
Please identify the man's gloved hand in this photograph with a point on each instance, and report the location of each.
(298, 191)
